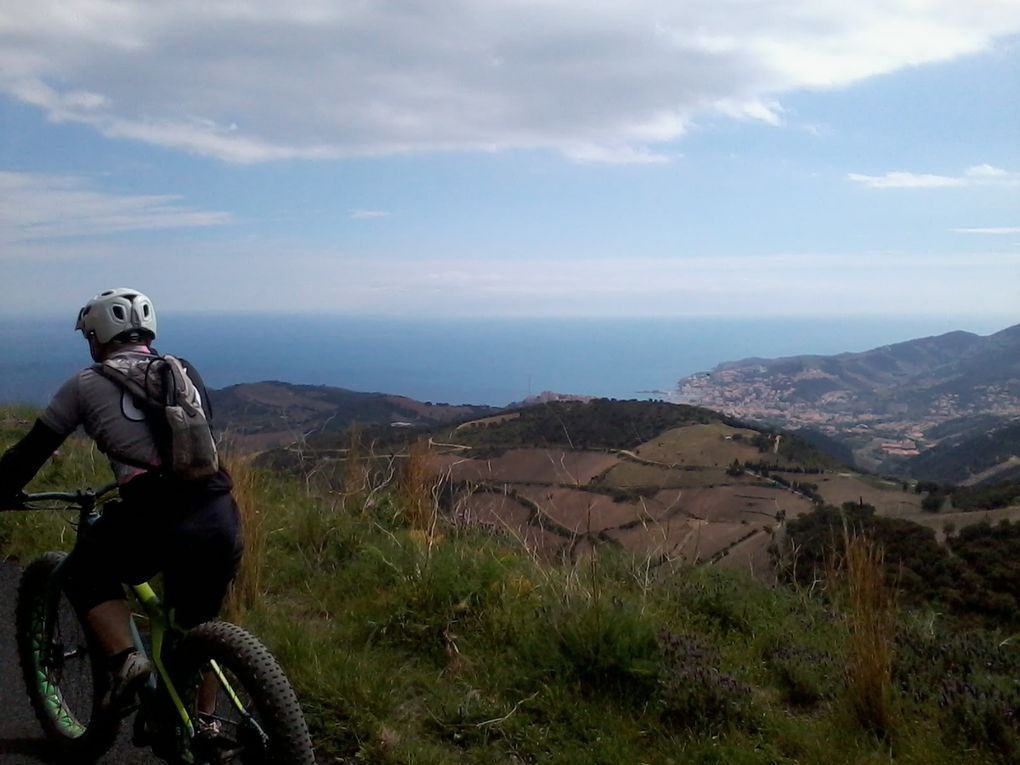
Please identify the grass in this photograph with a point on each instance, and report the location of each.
(872, 622)
(248, 585)
(412, 640)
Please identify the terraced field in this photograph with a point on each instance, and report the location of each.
(671, 496)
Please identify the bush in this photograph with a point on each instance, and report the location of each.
(695, 695)
(972, 677)
(805, 675)
(602, 646)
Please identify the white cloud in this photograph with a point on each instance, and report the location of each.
(368, 214)
(41, 207)
(995, 231)
(979, 175)
(769, 111)
(334, 281)
(607, 82)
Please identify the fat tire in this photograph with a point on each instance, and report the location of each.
(41, 607)
(263, 681)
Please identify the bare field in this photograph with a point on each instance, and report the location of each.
(695, 515)
(728, 523)
(709, 445)
(939, 521)
(682, 538)
(751, 555)
(504, 514)
(494, 420)
(546, 466)
(887, 497)
(584, 512)
(734, 504)
(633, 474)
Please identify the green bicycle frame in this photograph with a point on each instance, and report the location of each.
(160, 622)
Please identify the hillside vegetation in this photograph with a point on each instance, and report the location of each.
(415, 637)
(273, 413)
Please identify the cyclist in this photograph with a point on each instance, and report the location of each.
(192, 525)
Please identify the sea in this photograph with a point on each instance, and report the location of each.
(461, 361)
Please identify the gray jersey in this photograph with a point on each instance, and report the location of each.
(109, 416)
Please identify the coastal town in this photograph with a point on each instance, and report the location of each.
(878, 426)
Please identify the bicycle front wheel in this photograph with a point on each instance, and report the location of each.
(64, 674)
(244, 708)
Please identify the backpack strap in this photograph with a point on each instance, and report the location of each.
(148, 400)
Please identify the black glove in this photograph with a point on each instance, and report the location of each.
(14, 501)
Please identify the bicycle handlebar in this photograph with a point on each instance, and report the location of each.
(81, 498)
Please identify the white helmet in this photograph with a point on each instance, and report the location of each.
(117, 315)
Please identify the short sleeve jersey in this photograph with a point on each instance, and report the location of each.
(110, 417)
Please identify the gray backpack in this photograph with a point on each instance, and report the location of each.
(161, 387)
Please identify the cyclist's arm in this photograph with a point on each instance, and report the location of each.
(21, 462)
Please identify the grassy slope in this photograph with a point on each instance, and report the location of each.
(411, 641)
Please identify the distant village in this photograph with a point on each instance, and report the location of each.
(746, 394)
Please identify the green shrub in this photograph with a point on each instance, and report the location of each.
(695, 695)
(439, 584)
(972, 677)
(805, 675)
(598, 645)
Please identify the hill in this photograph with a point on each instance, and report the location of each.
(566, 477)
(887, 404)
(267, 414)
(412, 636)
(968, 458)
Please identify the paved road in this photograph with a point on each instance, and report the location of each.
(21, 741)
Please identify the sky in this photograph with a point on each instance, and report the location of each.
(505, 158)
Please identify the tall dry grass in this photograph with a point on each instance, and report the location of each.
(248, 584)
(417, 487)
(356, 481)
(871, 613)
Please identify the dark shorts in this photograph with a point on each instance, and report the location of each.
(191, 536)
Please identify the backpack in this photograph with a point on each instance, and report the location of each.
(161, 387)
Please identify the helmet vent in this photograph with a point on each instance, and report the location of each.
(120, 315)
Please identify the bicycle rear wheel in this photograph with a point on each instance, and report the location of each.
(244, 706)
(64, 674)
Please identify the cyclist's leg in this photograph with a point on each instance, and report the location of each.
(94, 572)
(203, 554)
(105, 556)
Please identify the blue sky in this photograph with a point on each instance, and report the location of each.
(514, 158)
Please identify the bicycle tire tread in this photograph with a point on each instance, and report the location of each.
(98, 736)
(255, 666)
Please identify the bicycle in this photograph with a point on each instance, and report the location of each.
(217, 694)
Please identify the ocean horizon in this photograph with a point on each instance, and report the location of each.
(461, 361)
